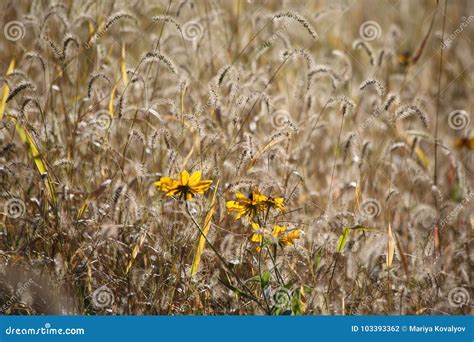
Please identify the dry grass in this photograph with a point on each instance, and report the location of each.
(293, 97)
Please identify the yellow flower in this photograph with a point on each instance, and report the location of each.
(280, 235)
(257, 237)
(245, 206)
(288, 238)
(275, 203)
(186, 187)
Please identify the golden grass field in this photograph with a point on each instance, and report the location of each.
(238, 157)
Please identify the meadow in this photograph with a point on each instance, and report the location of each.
(240, 157)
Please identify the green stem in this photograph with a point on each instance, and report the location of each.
(260, 274)
(274, 259)
(330, 280)
(230, 270)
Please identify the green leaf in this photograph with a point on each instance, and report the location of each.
(265, 279)
(343, 239)
(456, 192)
(296, 304)
(363, 229)
(254, 279)
(238, 291)
(341, 242)
(317, 261)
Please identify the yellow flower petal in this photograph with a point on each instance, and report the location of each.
(240, 196)
(172, 192)
(185, 187)
(258, 198)
(290, 238)
(201, 187)
(234, 206)
(279, 203)
(278, 230)
(184, 177)
(257, 238)
(195, 178)
(165, 183)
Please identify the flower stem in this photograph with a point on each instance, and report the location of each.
(231, 271)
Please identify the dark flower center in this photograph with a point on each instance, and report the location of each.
(183, 191)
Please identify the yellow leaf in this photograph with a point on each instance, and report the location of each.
(358, 196)
(390, 246)
(403, 257)
(123, 66)
(421, 310)
(91, 28)
(401, 134)
(135, 251)
(82, 209)
(111, 102)
(436, 240)
(202, 240)
(422, 157)
(302, 299)
(6, 90)
(32, 149)
(34, 153)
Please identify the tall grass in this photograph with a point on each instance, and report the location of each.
(102, 98)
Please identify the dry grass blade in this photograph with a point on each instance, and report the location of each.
(206, 226)
(6, 89)
(123, 66)
(311, 142)
(403, 257)
(135, 251)
(92, 197)
(390, 247)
